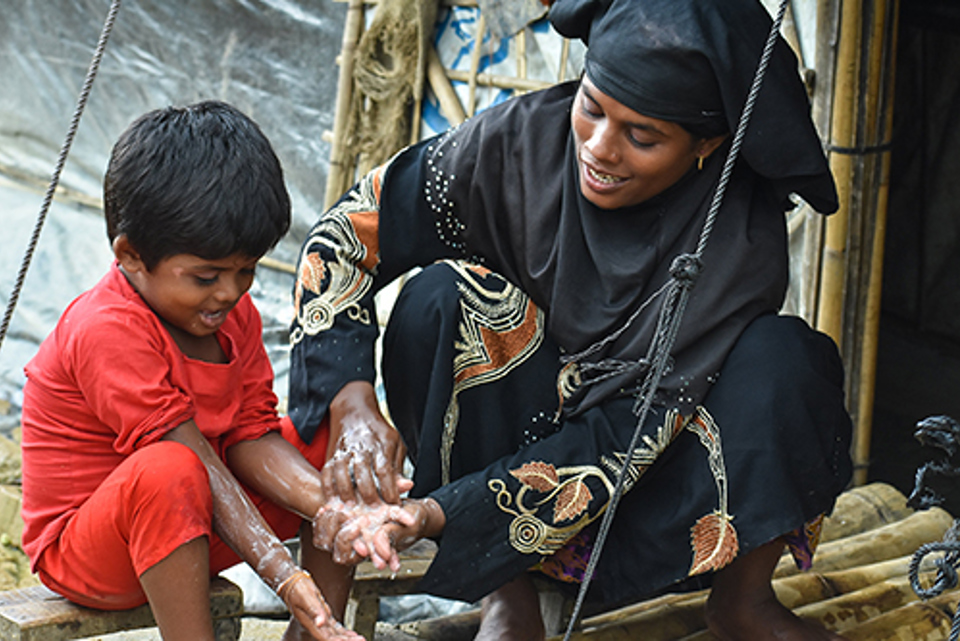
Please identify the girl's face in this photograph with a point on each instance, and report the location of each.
(625, 157)
(190, 294)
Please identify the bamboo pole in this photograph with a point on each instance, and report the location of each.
(874, 228)
(450, 105)
(842, 133)
(887, 542)
(918, 621)
(825, 64)
(801, 590)
(863, 508)
(475, 67)
(846, 611)
(501, 82)
(839, 600)
(341, 168)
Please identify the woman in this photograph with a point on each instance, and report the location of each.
(513, 367)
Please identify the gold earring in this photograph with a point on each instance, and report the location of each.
(699, 163)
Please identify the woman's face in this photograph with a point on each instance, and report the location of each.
(625, 157)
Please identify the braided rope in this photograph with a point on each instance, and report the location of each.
(61, 161)
(946, 571)
(684, 273)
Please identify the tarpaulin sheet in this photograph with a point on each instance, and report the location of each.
(273, 59)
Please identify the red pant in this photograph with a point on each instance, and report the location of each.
(154, 502)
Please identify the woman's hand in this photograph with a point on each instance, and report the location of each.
(336, 527)
(308, 607)
(381, 534)
(366, 463)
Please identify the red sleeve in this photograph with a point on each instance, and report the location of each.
(258, 409)
(121, 364)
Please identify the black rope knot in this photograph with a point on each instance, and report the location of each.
(686, 269)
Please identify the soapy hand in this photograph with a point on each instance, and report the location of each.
(369, 454)
(381, 534)
(306, 604)
(348, 531)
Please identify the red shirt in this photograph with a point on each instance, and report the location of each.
(110, 379)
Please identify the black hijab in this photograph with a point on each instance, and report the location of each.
(507, 182)
(694, 60)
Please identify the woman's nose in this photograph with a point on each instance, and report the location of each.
(602, 144)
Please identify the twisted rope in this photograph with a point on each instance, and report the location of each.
(946, 570)
(684, 272)
(61, 161)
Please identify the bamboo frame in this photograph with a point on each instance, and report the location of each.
(848, 301)
(342, 169)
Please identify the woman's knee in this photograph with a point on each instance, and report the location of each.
(431, 293)
(784, 348)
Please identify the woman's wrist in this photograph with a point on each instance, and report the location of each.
(434, 518)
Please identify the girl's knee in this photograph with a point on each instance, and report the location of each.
(168, 473)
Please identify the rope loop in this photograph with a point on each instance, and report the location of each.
(947, 577)
(686, 269)
(946, 571)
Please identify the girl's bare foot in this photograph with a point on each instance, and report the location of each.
(743, 606)
(512, 613)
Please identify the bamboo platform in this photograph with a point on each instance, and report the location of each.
(858, 585)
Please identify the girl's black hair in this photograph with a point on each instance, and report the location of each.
(199, 180)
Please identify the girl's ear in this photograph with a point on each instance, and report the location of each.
(127, 256)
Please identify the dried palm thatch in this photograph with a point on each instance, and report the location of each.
(383, 69)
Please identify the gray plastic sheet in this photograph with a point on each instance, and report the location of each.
(273, 59)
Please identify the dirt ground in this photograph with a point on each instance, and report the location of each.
(14, 566)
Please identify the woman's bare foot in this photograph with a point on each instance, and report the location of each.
(766, 620)
(743, 606)
(512, 613)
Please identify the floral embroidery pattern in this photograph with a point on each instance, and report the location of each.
(644, 456)
(542, 486)
(330, 279)
(568, 381)
(500, 328)
(713, 537)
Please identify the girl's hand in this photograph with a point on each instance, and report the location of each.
(308, 607)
